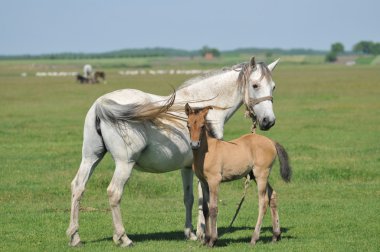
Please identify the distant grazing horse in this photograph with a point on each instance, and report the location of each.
(217, 161)
(81, 79)
(143, 129)
(87, 71)
(101, 75)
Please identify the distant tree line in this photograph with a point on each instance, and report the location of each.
(362, 47)
(367, 47)
(167, 52)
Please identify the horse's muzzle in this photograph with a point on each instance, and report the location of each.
(266, 123)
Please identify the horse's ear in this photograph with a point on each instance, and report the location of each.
(272, 65)
(188, 109)
(253, 62)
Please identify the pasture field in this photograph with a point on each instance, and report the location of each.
(327, 118)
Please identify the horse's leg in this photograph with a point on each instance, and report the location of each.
(262, 182)
(213, 211)
(115, 191)
(188, 200)
(77, 189)
(92, 152)
(201, 218)
(272, 196)
(206, 212)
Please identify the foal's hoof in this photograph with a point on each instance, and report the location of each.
(205, 241)
(276, 237)
(253, 242)
(211, 243)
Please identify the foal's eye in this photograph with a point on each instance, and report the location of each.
(255, 86)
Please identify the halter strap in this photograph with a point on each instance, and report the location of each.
(249, 111)
(253, 102)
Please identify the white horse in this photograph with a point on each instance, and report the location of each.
(142, 129)
(87, 71)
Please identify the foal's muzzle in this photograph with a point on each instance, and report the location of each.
(195, 144)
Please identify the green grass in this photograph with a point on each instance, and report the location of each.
(327, 119)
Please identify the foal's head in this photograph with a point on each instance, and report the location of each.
(196, 123)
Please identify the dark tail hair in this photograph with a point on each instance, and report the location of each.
(285, 168)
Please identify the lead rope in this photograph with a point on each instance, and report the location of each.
(247, 181)
(250, 114)
(246, 185)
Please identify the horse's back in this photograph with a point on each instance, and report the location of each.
(130, 96)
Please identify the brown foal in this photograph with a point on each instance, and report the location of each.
(217, 161)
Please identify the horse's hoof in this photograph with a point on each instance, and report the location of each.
(75, 240)
(200, 235)
(123, 241)
(126, 244)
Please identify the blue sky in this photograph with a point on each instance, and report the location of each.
(49, 26)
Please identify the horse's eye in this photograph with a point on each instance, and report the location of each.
(255, 86)
(274, 88)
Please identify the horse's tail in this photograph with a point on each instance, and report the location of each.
(285, 168)
(118, 115)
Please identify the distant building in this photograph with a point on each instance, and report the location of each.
(209, 56)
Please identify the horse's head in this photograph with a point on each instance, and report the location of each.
(259, 86)
(196, 123)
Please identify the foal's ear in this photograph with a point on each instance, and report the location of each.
(206, 109)
(253, 62)
(188, 109)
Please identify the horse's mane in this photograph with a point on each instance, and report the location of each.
(244, 69)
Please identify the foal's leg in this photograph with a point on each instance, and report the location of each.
(213, 211)
(272, 196)
(263, 202)
(115, 191)
(188, 200)
(206, 212)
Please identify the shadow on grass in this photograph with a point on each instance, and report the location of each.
(222, 242)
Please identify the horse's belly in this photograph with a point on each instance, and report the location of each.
(161, 156)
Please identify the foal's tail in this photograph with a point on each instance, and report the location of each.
(285, 168)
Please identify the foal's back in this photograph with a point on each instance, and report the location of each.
(238, 157)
